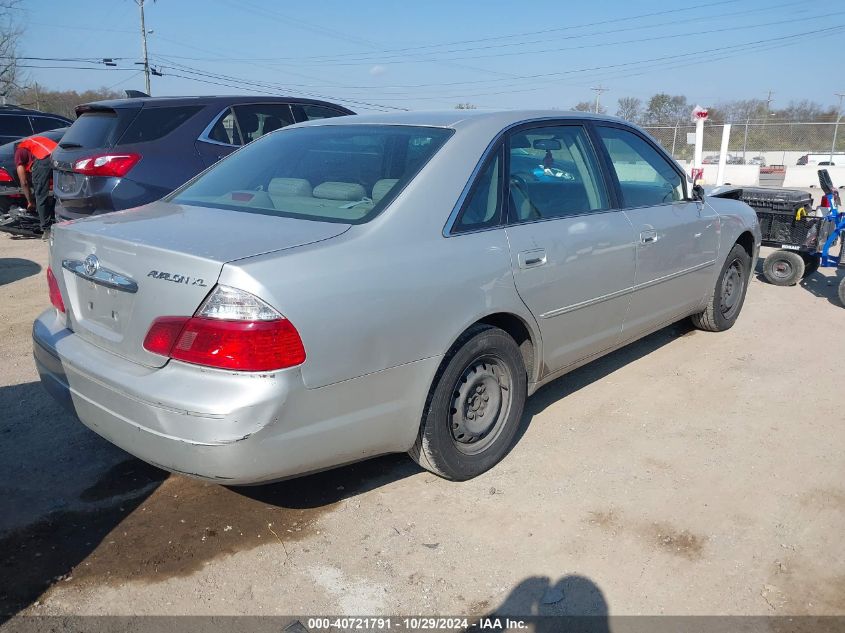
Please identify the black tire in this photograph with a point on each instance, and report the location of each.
(483, 374)
(842, 292)
(811, 265)
(728, 295)
(783, 268)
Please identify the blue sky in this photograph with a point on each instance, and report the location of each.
(434, 54)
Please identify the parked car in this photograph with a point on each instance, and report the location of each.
(17, 123)
(10, 186)
(758, 160)
(352, 287)
(128, 152)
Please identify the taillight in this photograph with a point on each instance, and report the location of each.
(106, 164)
(5, 176)
(55, 293)
(231, 330)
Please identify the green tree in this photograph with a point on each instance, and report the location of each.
(665, 109)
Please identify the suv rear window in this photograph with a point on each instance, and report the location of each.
(154, 123)
(97, 129)
(331, 173)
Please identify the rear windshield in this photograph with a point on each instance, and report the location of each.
(331, 173)
(154, 123)
(96, 129)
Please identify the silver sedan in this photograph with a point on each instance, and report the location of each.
(364, 285)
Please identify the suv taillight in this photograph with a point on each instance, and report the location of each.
(5, 176)
(55, 293)
(106, 164)
(231, 330)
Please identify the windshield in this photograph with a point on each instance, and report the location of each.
(332, 173)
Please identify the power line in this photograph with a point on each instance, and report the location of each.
(737, 49)
(379, 55)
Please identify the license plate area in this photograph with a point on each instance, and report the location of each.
(66, 182)
(102, 311)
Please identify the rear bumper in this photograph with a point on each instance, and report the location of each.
(228, 427)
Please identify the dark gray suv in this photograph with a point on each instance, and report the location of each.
(17, 123)
(127, 152)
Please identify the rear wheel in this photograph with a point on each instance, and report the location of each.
(783, 268)
(475, 405)
(726, 301)
(842, 292)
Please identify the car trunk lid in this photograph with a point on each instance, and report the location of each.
(120, 271)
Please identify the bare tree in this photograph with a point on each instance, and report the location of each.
(61, 102)
(588, 106)
(466, 106)
(10, 34)
(630, 109)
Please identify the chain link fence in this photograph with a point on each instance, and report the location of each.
(755, 143)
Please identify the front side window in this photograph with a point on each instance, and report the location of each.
(309, 112)
(645, 177)
(333, 173)
(553, 173)
(256, 120)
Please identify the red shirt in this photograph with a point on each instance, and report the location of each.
(23, 157)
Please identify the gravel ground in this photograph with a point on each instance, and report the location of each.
(690, 473)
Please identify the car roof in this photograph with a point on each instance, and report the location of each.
(459, 118)
(223, 100)
(21, 111)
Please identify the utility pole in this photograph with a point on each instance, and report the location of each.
(836, 125)
(769, 102)
(598, 90)
(146, 61)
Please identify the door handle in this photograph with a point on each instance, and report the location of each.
(648, 237)
(532, 258)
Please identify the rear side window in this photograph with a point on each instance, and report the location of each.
(155, 123)
(553, 173)
(97, 129)
(483, 205)
(15, 126)
(45, 123)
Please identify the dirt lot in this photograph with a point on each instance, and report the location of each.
(690, 473)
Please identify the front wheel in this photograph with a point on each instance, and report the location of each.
(475, 405)
(783, 268)
(842, 292)
(728, 296)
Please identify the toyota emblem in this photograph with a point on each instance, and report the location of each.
(91, 265)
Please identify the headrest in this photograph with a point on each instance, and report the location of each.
(248, 122)
(340, 191)
(289, 187)
(271, 124)
(381, 188)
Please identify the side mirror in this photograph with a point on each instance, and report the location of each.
(698, 193)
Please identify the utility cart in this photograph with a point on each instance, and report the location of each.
(803, 237)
